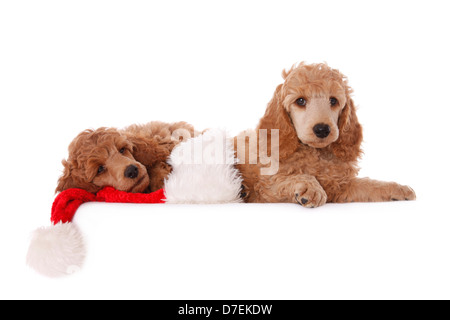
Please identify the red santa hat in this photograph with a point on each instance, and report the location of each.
(203, 172)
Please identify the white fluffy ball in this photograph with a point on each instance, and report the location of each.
(57, 250)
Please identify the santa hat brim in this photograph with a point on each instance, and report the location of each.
(204, 171)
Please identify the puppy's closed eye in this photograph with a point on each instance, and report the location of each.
(101, 169)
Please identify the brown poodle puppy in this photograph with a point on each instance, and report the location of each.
(132, 160)
(315, 147)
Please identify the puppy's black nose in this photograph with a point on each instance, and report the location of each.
(321, 130)
(131, 172)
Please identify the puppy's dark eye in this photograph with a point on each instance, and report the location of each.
(101, 169)
(122, 150)
(301, 102)
(333, 101)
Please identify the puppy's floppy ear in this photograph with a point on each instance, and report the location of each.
(348, 145)
(71, 178)
(66, 181)
(148, 151)
(276, 117)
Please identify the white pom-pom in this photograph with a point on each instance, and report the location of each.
(57, 250)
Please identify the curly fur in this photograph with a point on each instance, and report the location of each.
(312, 170)
(146, 147)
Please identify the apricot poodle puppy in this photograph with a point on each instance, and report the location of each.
(316, 144)
(131, 160)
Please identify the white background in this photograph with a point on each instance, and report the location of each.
(70, 65)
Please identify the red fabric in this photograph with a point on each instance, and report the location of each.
(68, 201)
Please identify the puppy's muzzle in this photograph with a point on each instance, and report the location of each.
(131, 172)
(322, 130)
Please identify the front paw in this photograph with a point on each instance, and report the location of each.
(310, 194)
(399, 192)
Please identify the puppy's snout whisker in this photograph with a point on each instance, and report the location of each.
(131, 172)
(322, 130)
